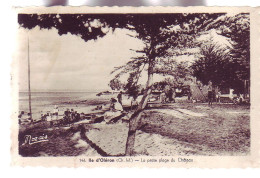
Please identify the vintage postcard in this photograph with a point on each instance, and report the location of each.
(136, 87)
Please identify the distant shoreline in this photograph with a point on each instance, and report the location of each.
(60, 91)
(43, 102)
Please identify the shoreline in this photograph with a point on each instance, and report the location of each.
(78, 102)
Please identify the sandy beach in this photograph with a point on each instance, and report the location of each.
(171, 129)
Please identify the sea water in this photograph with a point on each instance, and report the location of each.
(43, 102)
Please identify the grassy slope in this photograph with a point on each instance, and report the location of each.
(225, 128)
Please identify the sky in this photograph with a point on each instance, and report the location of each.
(68, 63)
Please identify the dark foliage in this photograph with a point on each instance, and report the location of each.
(227, 69)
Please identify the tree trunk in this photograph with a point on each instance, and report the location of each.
(135, 118)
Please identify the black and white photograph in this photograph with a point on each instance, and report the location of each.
(133, 84)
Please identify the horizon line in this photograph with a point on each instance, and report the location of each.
(101, 90)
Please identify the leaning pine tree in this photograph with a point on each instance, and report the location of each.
(163, 35)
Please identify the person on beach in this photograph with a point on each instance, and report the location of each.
(189, 94)
(66, 117)
(98, 108)
(173, 95)
(163, 97)
(42, 117)
(119, 97)
(115, 110)
(55, 110)
(116, 106)
(218, 96)
(20, 117)
(72, 116)
(55, 116)
(77, 116)
(49, 118)
(21, 114)
(170, 92)
(29, 118)
(210, 93)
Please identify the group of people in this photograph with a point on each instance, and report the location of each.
(69, 116)
(213, 94)
(24, 118)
